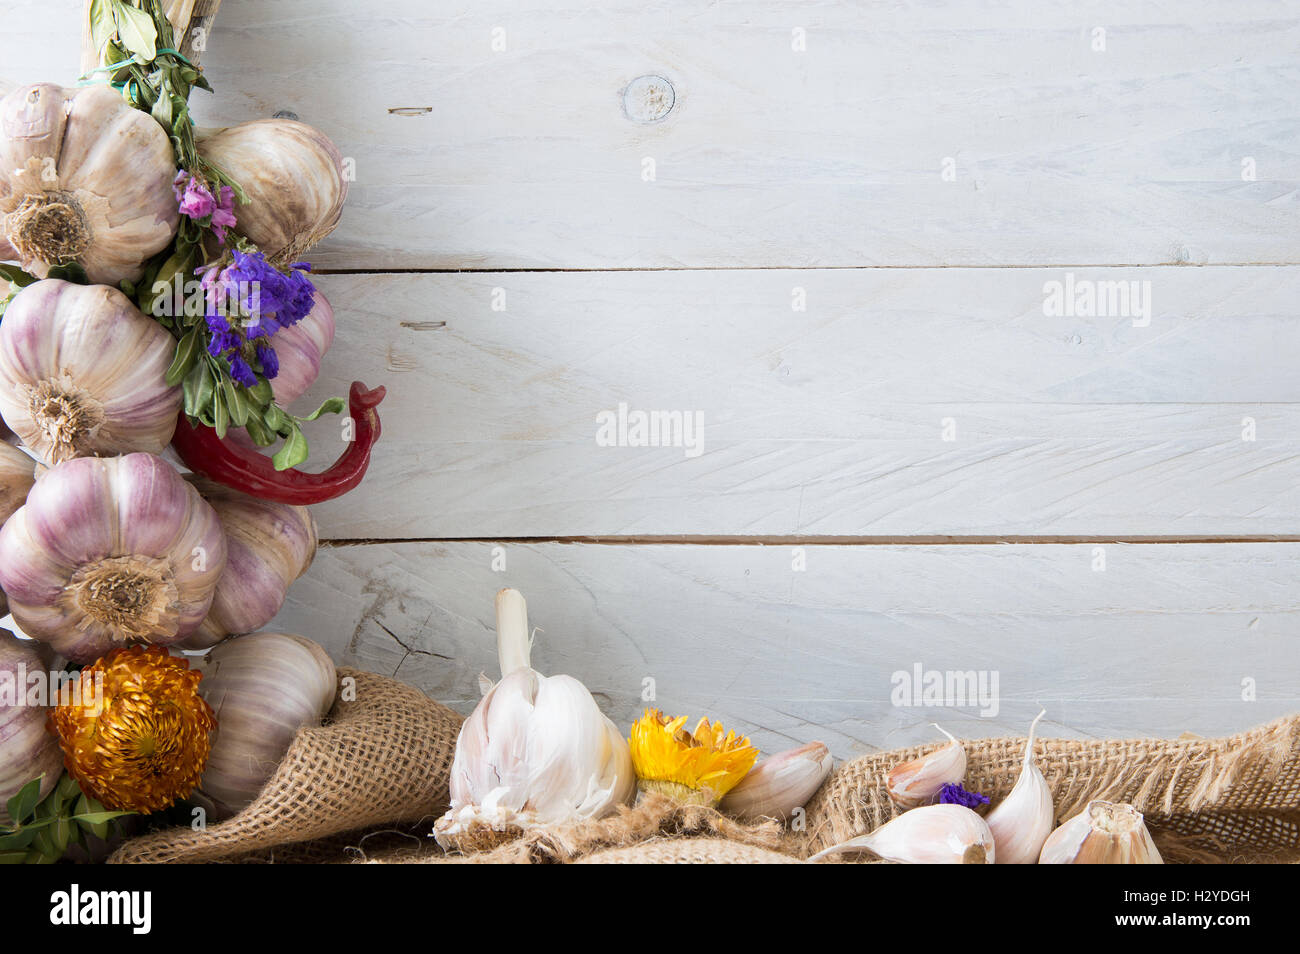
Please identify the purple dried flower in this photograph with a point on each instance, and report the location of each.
(193, 196)
(223, 216)
(954, 794)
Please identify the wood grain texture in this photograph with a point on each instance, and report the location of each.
(769, 156)
(827, 421)
(1158, 643)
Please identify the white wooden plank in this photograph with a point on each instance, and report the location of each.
(826, 421)
(770, 156)
(1157, 643)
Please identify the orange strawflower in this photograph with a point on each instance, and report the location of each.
(139, 740)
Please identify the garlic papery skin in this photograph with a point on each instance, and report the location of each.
(781, 784)
(292, 176)
(929, 835)
(109, 551)
(82, 373)
(1022, 821)
(1104, 833)
(86, 178)
(918, 782)
(268, 546)
(537, 750)
(27, 750)
(263, 688)
(300, 348)
(17, 474)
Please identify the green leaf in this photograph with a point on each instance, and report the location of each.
(236, 402)
(102, 26)
(261, 435)
(334, 405)
(199, 388)
(91, 819)
(69, 788)
(136, 30)
(44, 843)
(162, 109)
(187, 353)
(220, 415)
(69, 272)
(16, 275)
(294, 451)
(17, 840)
(261, 392)
(24, 802)
(61, 833)
(276, 420)
(13, 857)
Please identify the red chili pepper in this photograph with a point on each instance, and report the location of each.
(245, 469)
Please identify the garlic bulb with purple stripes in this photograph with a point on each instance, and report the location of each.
(109, 551)
(299, 349)
(17, 473)
(268, 546)
(85, 178)
(82, 372)
(27, 751)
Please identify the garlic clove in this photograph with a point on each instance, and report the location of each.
(1104, 833)
(930, 834)
(917, 782)
(82, 373)
(269, 545)
(780, 784)
(263, 688)
(293, 177)
(1022, 821)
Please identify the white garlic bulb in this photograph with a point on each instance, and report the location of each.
(268, 546)
(929, 835)
(1022, 821)
(1104, 833)
(292, 176)
(82, 372)
(27, 751)
(262, 688)
(919, 781)
(108, 551)
(780, 784)
(537, 750)
(86, 178)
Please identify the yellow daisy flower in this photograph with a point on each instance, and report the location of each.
(697, 767)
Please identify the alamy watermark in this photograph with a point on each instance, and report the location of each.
(1088, 298)
(627, 427)
(42, 688)
(949, 688)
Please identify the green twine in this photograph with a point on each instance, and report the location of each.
(85, 79)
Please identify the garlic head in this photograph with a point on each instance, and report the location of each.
(82, 373)
(27, 750)
(108, 551)
(537, 750)
(86, 178)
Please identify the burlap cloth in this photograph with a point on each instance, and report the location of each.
(367, 787)
(382, 759)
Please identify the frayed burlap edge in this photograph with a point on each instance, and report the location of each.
(653, 818)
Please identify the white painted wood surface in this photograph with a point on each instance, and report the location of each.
(829, 421)
(832, 156)
(819, 170)
(1157, 643)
